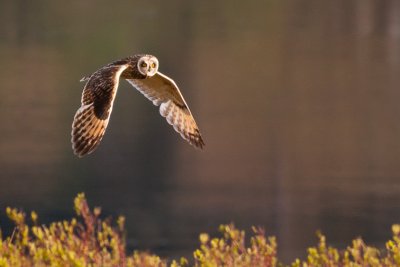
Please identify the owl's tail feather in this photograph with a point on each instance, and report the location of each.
(85, 78)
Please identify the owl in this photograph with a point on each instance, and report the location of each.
(141, 71)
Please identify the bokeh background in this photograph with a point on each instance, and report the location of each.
(297, 100)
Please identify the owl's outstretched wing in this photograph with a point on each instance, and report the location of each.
(164, 92)
(91, 119)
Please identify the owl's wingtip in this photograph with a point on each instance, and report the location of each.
(78, 153)
(199, 143)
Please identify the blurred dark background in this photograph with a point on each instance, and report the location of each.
(297, 102)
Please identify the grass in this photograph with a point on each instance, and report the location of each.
(90, 241)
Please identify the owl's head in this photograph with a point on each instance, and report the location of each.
(147, 65)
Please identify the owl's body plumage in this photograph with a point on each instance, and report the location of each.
(141, 71)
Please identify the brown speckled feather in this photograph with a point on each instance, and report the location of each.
(91, 119)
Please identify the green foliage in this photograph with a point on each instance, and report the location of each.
(231, 250)
(86, 241)
(89, 241)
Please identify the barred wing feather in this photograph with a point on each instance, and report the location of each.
(91, 119)
(164, 92)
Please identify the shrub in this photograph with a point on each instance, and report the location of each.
(90, 241)
(86, 241)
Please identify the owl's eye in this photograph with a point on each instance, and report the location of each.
(143, 65)
(153, 65)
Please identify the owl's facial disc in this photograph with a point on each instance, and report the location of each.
(148, 66)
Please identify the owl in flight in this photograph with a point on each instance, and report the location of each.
(141, 71)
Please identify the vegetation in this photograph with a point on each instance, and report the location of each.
(90, 241)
